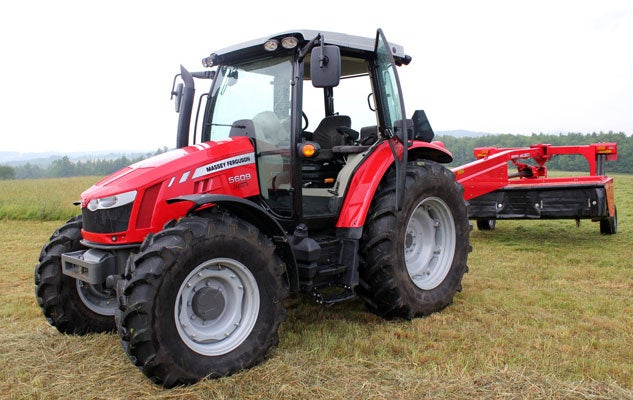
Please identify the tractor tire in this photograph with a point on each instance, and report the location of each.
(609, 225)
(71, 306)
(414, 260)
(204, 298)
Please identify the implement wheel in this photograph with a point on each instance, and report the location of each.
(486, 224)
(609, 225)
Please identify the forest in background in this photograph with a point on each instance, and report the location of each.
(65, 167)
(461, 147)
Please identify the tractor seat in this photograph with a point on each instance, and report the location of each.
(337, 140)
(327, 134)
(323, 169)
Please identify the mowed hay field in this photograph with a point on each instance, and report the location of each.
(545, 312)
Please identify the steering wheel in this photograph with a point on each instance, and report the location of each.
(305, 119)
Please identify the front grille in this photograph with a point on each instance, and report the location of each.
(110, 220)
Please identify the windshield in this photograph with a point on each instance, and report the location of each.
(257, 91)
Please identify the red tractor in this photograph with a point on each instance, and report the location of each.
(191, 254)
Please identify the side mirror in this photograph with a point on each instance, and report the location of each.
(421, 127)
(176, 95)
(325, 66)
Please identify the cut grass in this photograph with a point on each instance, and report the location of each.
(546, 312)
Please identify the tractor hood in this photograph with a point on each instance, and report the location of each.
(135, 198)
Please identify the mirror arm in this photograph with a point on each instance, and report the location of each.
(306, 49)
(323, 60)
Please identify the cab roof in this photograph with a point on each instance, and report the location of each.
(347, 44)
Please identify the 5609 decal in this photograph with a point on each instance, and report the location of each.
(239, 178)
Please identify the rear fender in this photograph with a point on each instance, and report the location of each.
(254, 214)
(367, 177)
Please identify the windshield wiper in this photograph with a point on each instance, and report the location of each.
(230, 125)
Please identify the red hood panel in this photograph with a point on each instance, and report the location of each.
(226, 167)
(174, 163)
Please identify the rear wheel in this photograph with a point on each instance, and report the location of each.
(415, 259)
(204, 298)
(68, 304)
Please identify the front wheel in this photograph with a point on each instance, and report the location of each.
(414, 260)
(204, 298)
(70, 305)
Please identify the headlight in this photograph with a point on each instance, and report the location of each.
(271, 45)
(289, 42)
(113, 201)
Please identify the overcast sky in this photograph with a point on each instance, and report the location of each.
(88, 76)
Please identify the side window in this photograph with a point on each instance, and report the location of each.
(350, 97)
(313, 105)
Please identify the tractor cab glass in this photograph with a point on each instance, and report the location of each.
(349, 97)
(254, 99)
(258, 91)
(389, 86)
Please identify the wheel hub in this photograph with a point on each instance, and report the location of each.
(97, 298)
(408, 241)
(208, 303)
(217, 306)
(429, 243)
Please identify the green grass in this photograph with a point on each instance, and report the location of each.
(546, 312)
(42, 199)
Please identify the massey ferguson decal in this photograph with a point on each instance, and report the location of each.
(243, 159)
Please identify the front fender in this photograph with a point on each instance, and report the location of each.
(364, 183)
(254, 214)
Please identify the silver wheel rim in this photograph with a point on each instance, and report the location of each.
(217, 306)
(429, 243)
(98, 300)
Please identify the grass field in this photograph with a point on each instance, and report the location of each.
(546, 312)
(42, 199)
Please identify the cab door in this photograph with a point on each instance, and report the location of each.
(391, 113)
(388, 91)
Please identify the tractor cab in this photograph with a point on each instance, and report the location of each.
(313, 104)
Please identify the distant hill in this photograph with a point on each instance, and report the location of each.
(461, 133)
(44, 159)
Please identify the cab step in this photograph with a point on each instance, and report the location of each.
(333, 294)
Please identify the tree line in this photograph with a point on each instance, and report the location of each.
(65, 167)
(463, 147)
